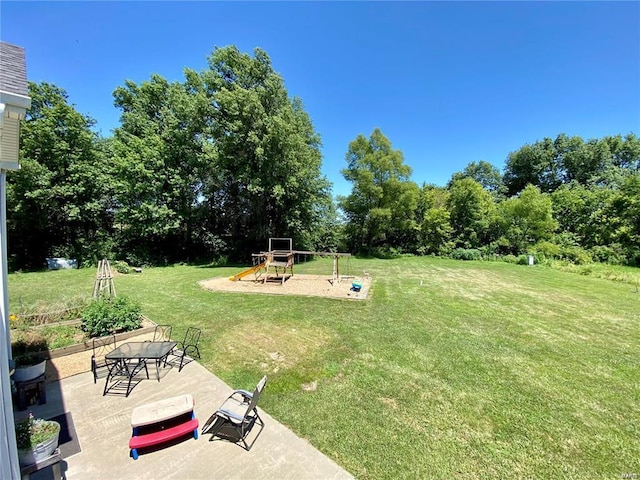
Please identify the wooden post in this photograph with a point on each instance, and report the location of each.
(103, 284)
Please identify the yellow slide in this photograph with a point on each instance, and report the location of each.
(248, 271)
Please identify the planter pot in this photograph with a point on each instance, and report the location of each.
(24, 374)
(39, 452)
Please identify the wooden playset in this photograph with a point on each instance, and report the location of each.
(273, 264)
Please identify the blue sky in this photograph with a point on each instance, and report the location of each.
(447, 82)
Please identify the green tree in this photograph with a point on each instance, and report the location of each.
(624, 161)
(380, 209)
(159, 163)
(266, 178)
(625, 151)
(584, 161)
(584, 211)
(435, 221)
(540, 164)
(548, 164)
(473, 213)
(58, 202)
(527, 219)
(532, 164)
(482, 172)
(626, 204)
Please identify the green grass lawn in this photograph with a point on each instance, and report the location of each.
(449, 369)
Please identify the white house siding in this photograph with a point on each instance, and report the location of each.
(10, 141)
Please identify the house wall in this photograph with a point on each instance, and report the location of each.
(9, 143)
(14, 102)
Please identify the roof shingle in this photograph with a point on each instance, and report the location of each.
(13, 69)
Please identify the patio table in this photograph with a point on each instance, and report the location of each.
(141, 351)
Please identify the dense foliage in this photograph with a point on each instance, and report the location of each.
(106, 315)
(383, 199)
(558, 199)
(211, 167)
(58, 203)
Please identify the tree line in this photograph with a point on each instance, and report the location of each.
(206, 167)
(212, 166)
(560, 198)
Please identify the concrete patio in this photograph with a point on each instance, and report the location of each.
(102, 425)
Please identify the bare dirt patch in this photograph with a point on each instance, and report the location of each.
(271, 346)
(306, 285)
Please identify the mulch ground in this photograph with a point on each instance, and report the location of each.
(306, 285)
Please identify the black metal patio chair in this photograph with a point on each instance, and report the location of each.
(236, 416)
(186, 350)
(99, 364)
(162, 333)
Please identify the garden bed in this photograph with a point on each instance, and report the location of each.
(146, 326)
(76, 358)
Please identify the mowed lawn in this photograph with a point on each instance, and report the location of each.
(449, 369)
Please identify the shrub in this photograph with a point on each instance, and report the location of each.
(122, 267)
(105, 316)
(466, 254)
(509, 258)
(611, 254)
(576, 255)
(546, 250)
(490, 252)
(523, 260)
(539, 258)
(386, 253)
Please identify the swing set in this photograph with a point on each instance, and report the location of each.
(273, 264)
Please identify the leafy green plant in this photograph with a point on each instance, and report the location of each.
(28, 340)
(611, 254)
(122, 267)
(547, 249)
(29, 358)
(466, 254)
(576, 255)
(509, 258)
(105, 316)
(32, 431)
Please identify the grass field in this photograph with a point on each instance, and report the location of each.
(449, 369)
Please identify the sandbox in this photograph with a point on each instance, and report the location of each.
(298, 284)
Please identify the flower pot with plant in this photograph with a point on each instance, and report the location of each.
(37, 439)
(28, 367)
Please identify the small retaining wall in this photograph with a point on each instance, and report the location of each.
(147, 327)
(74, 359)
